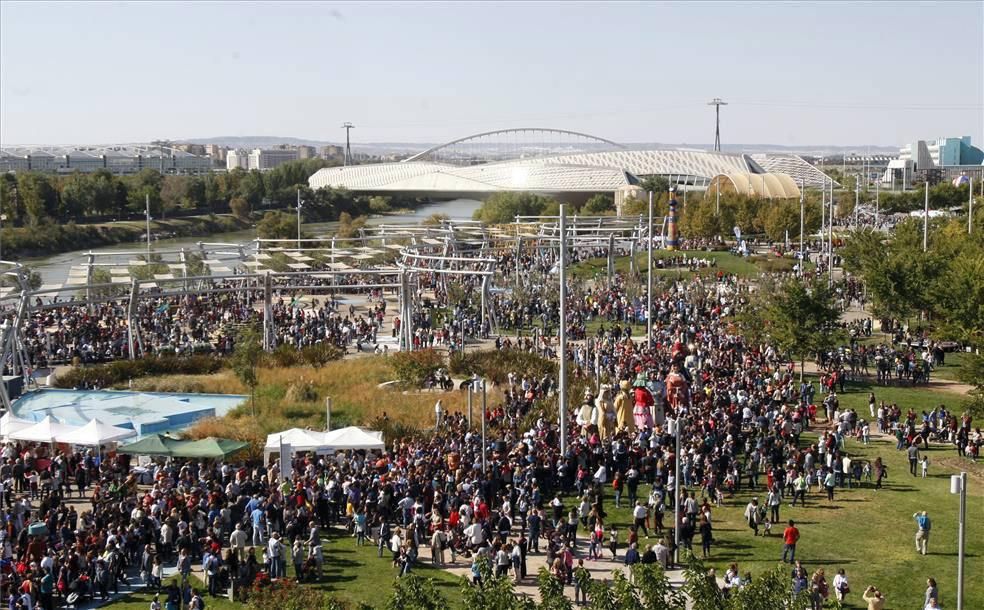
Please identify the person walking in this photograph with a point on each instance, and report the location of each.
(706, 536)
(841, 586)
(932, 593)
(774, 500)
(819, 590)
(922, 534)
(752, 515)
(790, 536)
(913, 453)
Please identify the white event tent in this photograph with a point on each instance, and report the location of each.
(303, 441)
(45, 431)
(10, 423)
(353, 437)
(96, 433)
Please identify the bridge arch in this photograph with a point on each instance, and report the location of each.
(574, 135)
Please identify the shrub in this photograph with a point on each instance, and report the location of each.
(285, 594)
(285, 356)
(121, 371)
(301, 391)
(320, 354)
(413, 368)
(496, 365)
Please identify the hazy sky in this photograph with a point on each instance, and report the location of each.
(813, 73)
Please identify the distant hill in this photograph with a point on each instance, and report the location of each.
(255, 141)
(249, 142)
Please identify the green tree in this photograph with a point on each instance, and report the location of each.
(700, 219)
(252, 188)
(246, 358)
(10, 200)
(239, 207)
(379, 205)
(551, 592)
(655, 184)
(503, 207)
(802, 319)
(780, 217)
(495, 593)
(174, 191)
(40, 200)
(104, 186)
(277, 225)
(598, 205)
(348, 226)
(415, 593)
(213, 192)
(77, 196)
(195, 193)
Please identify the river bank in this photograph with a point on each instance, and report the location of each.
(47, 240)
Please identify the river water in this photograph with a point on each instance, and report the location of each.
(54, 269)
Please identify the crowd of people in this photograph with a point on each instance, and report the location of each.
(736, 410)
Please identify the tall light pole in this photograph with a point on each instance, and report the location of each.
(649, 278)
(147, 213)
(717, 103)
(970, 206)
(830, 239)
(485, 443)
(678, 428)
(299, 204)
(802, 227)
(857, 200)
(958, 485)
(348, 143)
(562, 272)
(926, 219)
(877, 198)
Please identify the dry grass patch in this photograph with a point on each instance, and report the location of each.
(288, 397)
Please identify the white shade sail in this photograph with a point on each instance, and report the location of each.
(96, 433)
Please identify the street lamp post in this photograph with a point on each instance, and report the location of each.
(485, 444)
(649, 278)
(958, 485)
(562, 272)
(678, 429)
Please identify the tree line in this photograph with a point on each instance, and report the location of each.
(30, 199)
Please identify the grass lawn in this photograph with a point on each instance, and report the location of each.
(352, 574)
(950, 370)
(726, 261)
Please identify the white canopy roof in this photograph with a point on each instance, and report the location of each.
(353, 438)
(298, 439)
(10, 423)
(45, 431)
(96, 433)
